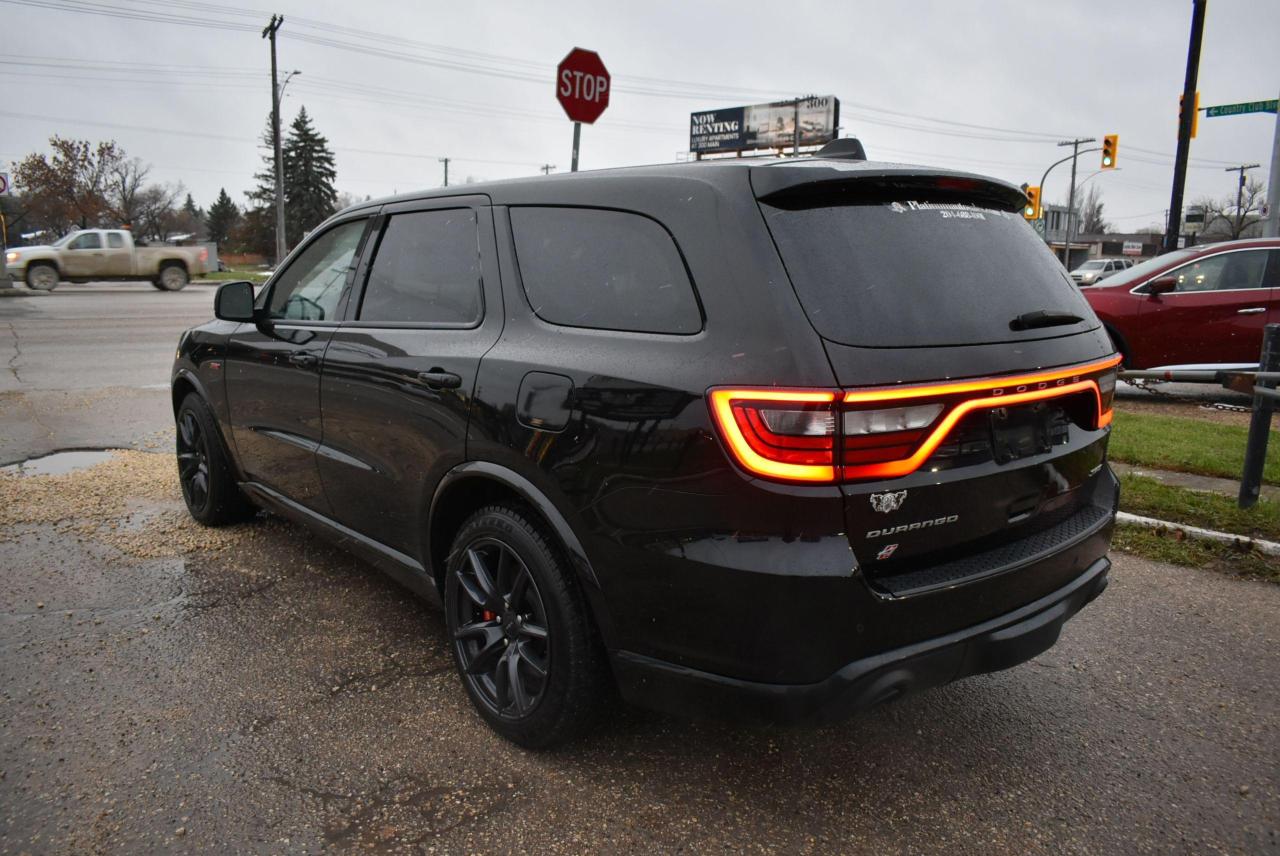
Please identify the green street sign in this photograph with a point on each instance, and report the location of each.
(1240, 109)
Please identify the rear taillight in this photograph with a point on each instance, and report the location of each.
(828, 436)
(780, 434)
(1107, 392)
(204, 254)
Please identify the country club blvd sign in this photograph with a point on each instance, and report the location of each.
(1242, 108)
(764, 126)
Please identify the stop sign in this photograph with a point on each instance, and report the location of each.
(582, 85)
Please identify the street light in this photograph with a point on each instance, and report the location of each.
(287, 78)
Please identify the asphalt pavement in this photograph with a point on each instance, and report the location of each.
(165, 688)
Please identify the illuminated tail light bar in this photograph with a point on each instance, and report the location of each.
(828, 436)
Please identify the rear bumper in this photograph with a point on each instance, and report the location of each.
(999, 643)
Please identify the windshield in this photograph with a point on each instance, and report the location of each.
(62, 242)
(915, 273)
(1090, 266)
(1140, 271)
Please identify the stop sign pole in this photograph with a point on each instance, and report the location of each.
(582, 88)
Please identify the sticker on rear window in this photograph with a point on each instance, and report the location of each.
(948, 210)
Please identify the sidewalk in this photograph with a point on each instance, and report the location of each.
(1189, 481)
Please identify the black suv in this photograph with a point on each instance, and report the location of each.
(778, 439)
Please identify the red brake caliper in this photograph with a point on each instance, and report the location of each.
(486, 615)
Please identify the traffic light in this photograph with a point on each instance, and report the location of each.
(1032, 209)
(1195, 116)
(1110, 146)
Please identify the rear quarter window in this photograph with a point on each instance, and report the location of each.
(609, 270)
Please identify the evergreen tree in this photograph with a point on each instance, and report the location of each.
(257, 232)
(222, 218)
(309, 174)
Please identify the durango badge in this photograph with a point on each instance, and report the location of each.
(890, 501)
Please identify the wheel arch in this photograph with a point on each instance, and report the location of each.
(474, 484)
(1122, 345)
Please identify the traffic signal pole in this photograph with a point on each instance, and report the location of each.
(1071, 195)
(1271, 225)
(1174, 225)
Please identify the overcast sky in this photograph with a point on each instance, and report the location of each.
(394, 86)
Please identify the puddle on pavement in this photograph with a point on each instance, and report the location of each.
(59, 463)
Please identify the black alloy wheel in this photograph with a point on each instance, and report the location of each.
(193, 461)
(208, 482)
(502, 637)
(522, 633)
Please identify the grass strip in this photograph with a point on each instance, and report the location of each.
(1176, 548)
(1150, 498)
(1184, 445)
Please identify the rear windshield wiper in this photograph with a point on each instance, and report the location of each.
(1043, 318)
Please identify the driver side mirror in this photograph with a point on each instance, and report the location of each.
(234, 301)
(1162, 285)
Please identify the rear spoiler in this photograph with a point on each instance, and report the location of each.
(805, 183)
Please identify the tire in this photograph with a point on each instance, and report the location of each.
(42, 276)
(207, 479)
(542, 623)
(173, 277)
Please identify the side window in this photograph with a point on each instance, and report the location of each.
(86, 241)
(426, 270)
(115, 241)
(586, 267)
(1227, 271)
(309, 288)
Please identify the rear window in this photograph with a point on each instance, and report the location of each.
(913, 272)
(611, 270)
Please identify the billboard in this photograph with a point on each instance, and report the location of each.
(764, 126)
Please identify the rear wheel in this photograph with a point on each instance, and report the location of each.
(173, 277)
(42, 277)
(208, 483)
(523, 640)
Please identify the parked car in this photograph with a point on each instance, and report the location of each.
(1199, 306)
(771, 439)
(1096, 270)
(105, 254)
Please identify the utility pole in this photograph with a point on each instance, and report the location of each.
(270, 33)
(546, 168)
(1184, 126)
(1240, 194)
(445, 161)
(1271, 225)
(1071, 194)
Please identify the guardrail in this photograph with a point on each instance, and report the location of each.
(1261, 384)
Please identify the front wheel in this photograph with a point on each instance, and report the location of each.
(523, 640)
(42, 277)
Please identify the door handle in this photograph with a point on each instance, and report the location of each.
(438, 378)
(304, 360)
(1256, 310)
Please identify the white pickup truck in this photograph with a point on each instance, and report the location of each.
(105, 254)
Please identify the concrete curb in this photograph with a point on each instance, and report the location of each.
(1270, 548)
(22, 292)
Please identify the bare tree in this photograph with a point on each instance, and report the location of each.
(158, 212)
(1091, 222)
(1223, 218)
(126, 185)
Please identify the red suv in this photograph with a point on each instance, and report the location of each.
(1200, 306)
